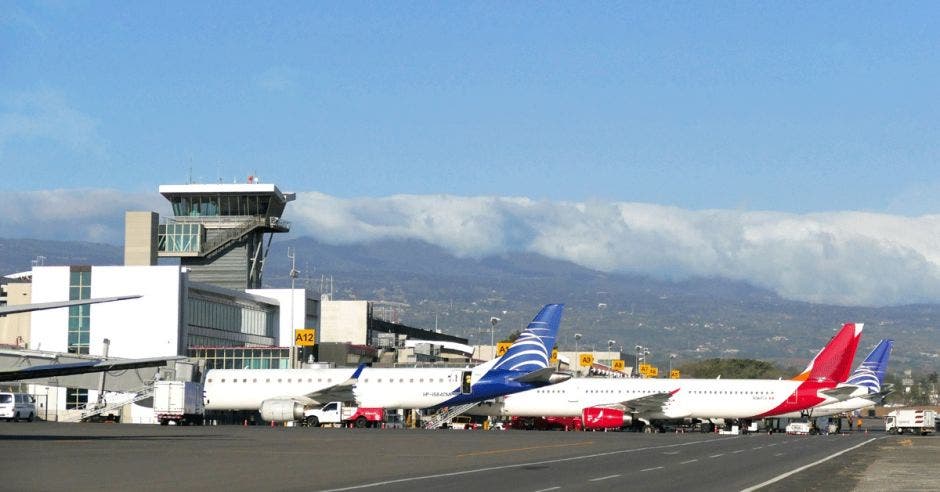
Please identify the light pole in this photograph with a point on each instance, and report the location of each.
(493, 321)
(577, 338)
(636, 361)
(671, 356)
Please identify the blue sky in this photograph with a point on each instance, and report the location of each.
(694, 138)
(798, 107)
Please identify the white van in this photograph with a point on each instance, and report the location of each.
(16, 406)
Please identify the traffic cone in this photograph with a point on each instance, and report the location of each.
(245, 423)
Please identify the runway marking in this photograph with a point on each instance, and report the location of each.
(689, 461)
(716, 455)
(670, 452)
(738, 451)
(517, 465)
(546, 490)
(598, 479)
(651, 469)
(804, 467)
(758, 447)
(778, 454)
(511, 450)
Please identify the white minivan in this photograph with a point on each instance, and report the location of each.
(16, 406)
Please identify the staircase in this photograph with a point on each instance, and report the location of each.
(445, 414)
(89, 410)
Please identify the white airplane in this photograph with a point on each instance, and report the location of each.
(869, 374)
(94, 365)
(645, 402)
(284, 394)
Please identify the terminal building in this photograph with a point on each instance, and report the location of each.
(208, 304)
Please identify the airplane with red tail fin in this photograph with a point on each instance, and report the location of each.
(646, 403)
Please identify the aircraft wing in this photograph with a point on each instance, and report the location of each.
(49, 370)
(840, 393)
(338, 392)
(543, 376)
(648, 403)
(39, 306)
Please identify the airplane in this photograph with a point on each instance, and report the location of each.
(869, 375)
(646, 403)
(284, 394)
(83, 367)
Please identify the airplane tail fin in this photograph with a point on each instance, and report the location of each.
(533, 349)
(871, 372)
(834, 361)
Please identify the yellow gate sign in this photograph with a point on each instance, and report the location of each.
(305, 337)
(502, 347)
(617, 365)
(586, 360)
(674, 374)
(554, 358)
(645, 369)
(653, 372)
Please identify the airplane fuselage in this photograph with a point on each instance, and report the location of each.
(696, 398)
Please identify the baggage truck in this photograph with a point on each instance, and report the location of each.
(179, 402)
(341, 414)
(911, 421)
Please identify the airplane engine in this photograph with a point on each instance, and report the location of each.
(281, 410)
(605, 418)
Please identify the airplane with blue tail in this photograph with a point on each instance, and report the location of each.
(287, 394)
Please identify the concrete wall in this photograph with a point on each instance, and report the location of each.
(344, 321)
(140, 238)
(144, 327)
(302, 317)
(14, 328)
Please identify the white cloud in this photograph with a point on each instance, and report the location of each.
(95, 215)
(849, 258)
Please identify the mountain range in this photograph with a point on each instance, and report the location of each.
(696, 318)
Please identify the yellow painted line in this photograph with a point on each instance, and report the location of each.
(530, 448)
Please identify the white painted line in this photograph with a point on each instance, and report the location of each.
(738, 451)
(778, 454)
(517, 465)
(689, 461)
(670, 452)
(804, 467)
(651, 469)
(769, 445)
(758, 447)
(716, 455)
(598, 479)
(546, 490)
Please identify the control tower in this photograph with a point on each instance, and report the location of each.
(217, 230)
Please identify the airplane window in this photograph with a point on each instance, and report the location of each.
(279, 380)
(268, 380)
(411, 380)
(329, 380)
(254, 380)
(319, 380)
(378, 380)
(245, 380)
(210, 380)
(223, 380)
(288, 380)
(421, 380)
(365, 380)
(401, 380)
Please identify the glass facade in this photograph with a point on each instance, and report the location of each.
(243, 357)
(181, 237)
(214, 205)
(79, 331)
(219, 323)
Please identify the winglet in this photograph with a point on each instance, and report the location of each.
(355, 375)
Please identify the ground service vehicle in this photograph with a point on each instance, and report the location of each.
(16, 406)
(911, 421)
(179, 402)
(339, 413)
